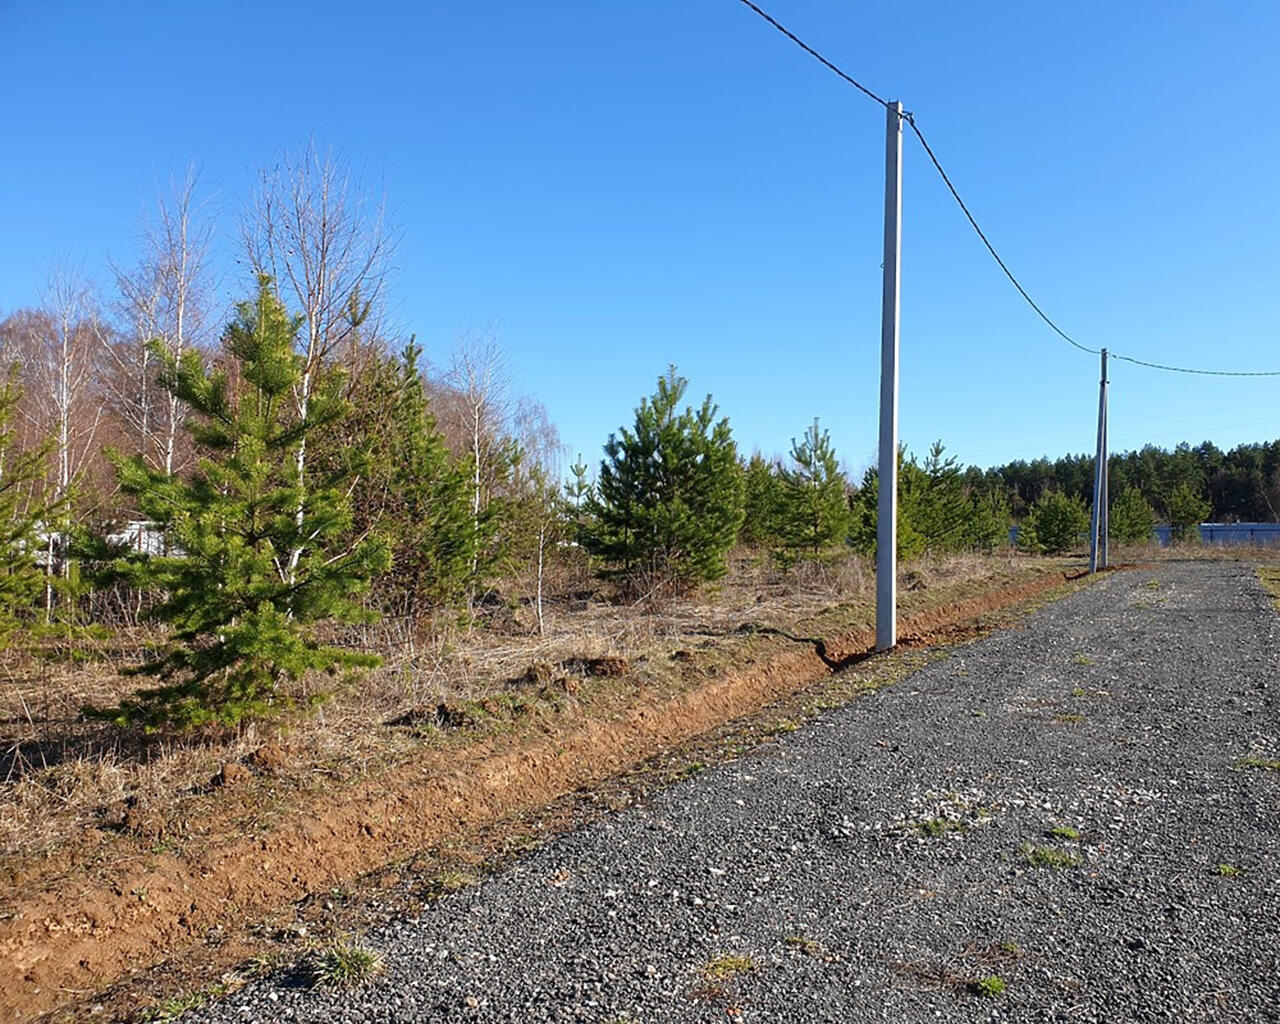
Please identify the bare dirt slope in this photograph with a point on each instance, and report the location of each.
(1077, 819)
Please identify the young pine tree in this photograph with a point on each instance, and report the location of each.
(257, 560)
(1187, 510)
(988, 525)
(762, 503)
(426, 513)
(1132, 520)
(1054, 524)
(669, 498)
(580, 488)
(865, 510)
(815, 510)
(21, 517)
(934, 500)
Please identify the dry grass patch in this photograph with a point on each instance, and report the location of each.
(71, 788)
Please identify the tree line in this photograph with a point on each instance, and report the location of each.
(269, 482)
(1240, 485)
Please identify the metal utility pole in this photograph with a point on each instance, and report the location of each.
(887, 510)
(1098, 524)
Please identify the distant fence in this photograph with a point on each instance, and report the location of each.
(1228, 533)
(1210, 533)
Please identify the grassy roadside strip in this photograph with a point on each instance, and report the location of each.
(408, 886)
(1269, 577)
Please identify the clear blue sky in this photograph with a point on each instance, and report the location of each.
(621, 185)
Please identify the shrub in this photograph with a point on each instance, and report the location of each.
(1054, 524)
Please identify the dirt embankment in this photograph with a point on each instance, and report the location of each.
(59, 946)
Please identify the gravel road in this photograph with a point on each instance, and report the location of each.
(1067, 807)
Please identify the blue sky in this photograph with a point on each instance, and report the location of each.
(617, 186)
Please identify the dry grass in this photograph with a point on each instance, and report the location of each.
(1254, 553)
(63, 780)
(1269, 576)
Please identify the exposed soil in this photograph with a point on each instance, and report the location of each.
(1069, 820)
(74, 938)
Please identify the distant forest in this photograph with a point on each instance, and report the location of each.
(1242, 485)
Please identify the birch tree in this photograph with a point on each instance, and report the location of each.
(167, 298)
(64, 351)
(318, 234)
(480, 406)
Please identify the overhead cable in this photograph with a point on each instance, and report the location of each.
(910, 119)
(946, 180)
(815, 54)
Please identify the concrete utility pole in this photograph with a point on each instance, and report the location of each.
(1099, 524)
(887, 510)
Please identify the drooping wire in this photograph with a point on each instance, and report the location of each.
(1186, 369)
(946, 180)
(815, 54)
(910, 119)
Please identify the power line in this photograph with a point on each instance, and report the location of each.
(946, 180)
(815, 54)
(1063, 334)
(910, 119)
(1209, 373)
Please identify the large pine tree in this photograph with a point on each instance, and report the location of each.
(669, 497)
(258, 558)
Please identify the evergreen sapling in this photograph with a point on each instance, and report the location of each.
(257, 560)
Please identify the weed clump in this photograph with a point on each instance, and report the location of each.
(343, 964)
(936, 827)
(989, 987)
(1266, 764)
(1048, 857)
(727, 965)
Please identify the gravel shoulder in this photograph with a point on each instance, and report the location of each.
(1078, 806)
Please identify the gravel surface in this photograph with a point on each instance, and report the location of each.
(881, 862)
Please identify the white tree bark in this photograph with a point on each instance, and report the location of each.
(64, 351)
(316, 232)
(169, 298)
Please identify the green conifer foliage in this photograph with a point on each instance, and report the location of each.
(670, 494)
(934, 501)
(257, 557)
(1187, 510)
(423, 498)
(1055, 524)
(988, 526)
(1132, 518)
(21, 515)
(815, 508)
(762, 503)
(866, 510)
(579, 493)
(937, 510)
(580, 488)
